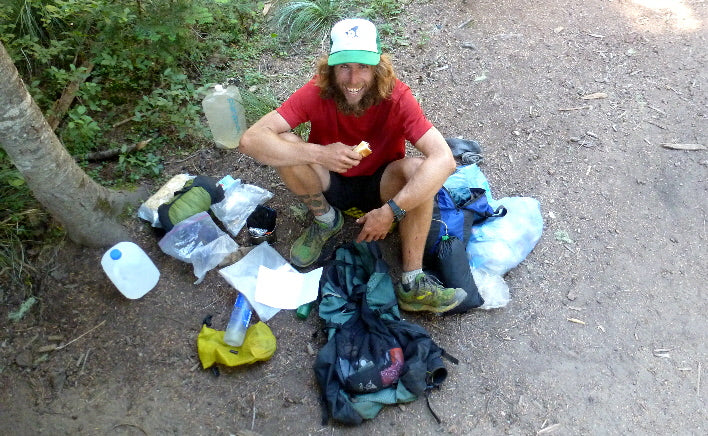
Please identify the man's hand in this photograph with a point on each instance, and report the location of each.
(339, 157)
(376, 224)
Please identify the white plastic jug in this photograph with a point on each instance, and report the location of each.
(130, 269)
(223, 108)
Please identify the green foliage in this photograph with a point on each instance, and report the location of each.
(381, 9)
(135, 166)
(82, 133)
(171, 105)
(22, 310)
(308, 19)
(311, 20)
(257, 104)
(22, 223)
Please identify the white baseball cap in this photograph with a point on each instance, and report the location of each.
(354, 40)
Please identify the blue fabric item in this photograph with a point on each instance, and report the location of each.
(469, 176)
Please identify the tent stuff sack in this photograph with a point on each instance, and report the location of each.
(451, 267)
(196, 196)
(372, 358)
(148, 210)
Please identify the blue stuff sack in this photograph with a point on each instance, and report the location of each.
(496, 246)
(455, 211)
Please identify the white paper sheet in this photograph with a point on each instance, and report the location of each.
(286, 288)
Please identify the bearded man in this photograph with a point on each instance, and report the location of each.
(355, 96)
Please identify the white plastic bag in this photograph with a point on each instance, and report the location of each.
(240, 200)
(492, 288)
(199, 241)
(499, 244)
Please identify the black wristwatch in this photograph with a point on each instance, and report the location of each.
(398, 213)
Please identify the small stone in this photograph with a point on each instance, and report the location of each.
(24, 359)
(57, 380)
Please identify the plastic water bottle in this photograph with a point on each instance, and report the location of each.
(238, 323)
(130, 269)
(223, 108)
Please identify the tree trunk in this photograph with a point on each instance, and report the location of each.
(88, 211)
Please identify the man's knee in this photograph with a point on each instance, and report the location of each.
(397, 174)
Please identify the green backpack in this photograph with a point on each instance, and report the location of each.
(196, 196)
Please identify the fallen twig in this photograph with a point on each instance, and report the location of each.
(689, 147)
(76, 339)
(83, 365)
(657, 124)
(186, 158)
(594, 96)
(113, 152)
(577, 321)
(130, 425)
(577, 108)
(47, 348)
(253, 418)
(657, 109)
(698, 383)
(464, 23)
(550, 429)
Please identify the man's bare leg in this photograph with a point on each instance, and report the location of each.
(414, 228)
(308, 182)
(418, 291)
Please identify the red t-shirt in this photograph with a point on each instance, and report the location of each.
(385, 126)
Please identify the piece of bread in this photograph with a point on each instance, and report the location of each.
(363, 149)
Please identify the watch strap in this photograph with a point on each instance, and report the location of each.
(398, 213)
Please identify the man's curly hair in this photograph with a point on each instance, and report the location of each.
(384, 81)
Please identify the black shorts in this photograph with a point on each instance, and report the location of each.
(355, 195)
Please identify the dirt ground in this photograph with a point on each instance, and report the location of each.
(623, 252)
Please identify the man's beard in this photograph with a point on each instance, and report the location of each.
(369, 99)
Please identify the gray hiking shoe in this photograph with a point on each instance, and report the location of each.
(307, 248)
(427, 293)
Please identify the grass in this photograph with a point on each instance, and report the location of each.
(311, 20)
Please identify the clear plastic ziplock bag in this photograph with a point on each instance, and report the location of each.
(240, 200)
(492, 288)
(199, 241)
(243, 275)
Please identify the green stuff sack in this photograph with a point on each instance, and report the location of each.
(196, 196)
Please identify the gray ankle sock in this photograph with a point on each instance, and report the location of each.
(328, 217)
(409, 276)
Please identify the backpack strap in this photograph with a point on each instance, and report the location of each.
(427, 402)
(449, 357)
(499, 211)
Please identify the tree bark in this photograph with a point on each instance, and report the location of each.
(88, 211)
